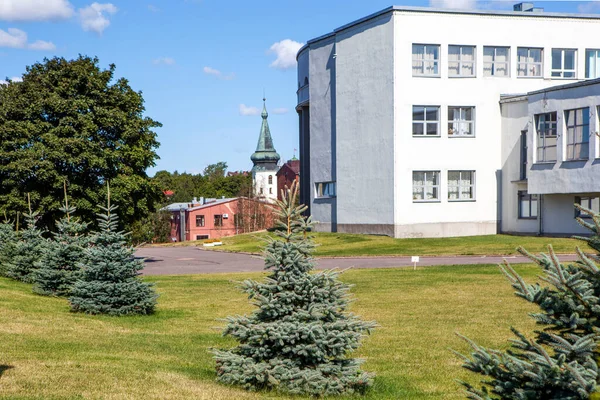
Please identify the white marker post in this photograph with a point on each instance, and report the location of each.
(414, 260)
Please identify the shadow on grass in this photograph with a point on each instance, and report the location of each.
(4, 368)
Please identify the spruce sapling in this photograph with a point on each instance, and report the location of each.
(299, 337)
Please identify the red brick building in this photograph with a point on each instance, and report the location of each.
(216, 218)
(288, 173)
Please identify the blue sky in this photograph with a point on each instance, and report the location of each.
(201, 64)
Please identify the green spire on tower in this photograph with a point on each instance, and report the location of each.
(265, 155)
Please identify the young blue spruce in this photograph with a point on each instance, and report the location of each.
(8, 242)
(109, 282)
(28, 250)
(561, 361)
(299, 337)
(61, 261)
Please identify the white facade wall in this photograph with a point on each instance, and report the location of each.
(262, 188)
(375, 151)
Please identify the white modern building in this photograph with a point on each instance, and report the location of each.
(407, 129)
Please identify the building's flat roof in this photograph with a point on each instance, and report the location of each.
(523, 14)
(587, 82)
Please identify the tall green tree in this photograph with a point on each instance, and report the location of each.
(72, 120)
(561, 360)
(299, 338)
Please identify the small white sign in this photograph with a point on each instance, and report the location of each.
(414, 259)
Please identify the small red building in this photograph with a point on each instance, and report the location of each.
(288, 173)
(215, 218)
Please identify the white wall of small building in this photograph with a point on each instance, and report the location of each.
(261, 181)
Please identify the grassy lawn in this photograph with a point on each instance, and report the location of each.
(48, 353)
(344, 244)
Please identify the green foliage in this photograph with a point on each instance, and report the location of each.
(109, 282)
(155, 228)
(62, 257)
(8, 242)
(298, 339)
(212, 183)
(27, 252)
(71, 120)
(560, 363)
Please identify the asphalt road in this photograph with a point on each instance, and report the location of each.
(195, 260)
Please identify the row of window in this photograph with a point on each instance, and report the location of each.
(426, 186)
(528, 205)
(426, 121)
(218, 220)
(496, 61)
(576, 139)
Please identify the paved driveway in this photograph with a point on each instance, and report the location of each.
(195, 260)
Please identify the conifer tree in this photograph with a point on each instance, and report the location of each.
(28, 250)
(8, 241)
(299, 337)
(561, 361)
(109, 282)
(62, 258)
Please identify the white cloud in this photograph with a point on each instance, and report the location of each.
(245, 110)
(42, 45)
(464, 4)
(218, 74)
(590, 7)
(286, 53)
(35, 10)
(153, 8)
(164, 61)
(17, 39)
(94, 17)
(14, 79)
(280, 110)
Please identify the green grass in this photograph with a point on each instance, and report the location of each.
(46, 352)
(348, 245)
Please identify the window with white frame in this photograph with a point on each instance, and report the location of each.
(324, 189)
(592, 63)
(528, 205)
(199, 220)
(461, 185)
(546, 137)
(426, 186)
(529, 62)
(578, 133)
(426, 59)
(496, 61)
(564, 63)
(461, 121)
(591, 203)
(426, 121)
(461, 60)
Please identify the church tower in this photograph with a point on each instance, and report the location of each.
(265, 160)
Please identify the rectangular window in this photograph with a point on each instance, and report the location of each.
(324, 189)
(461, 185)
(461, 121)
(523, 170)
(529, 62)
(461, 60)
(545, 126)
(426, 59)
(563, 63)
(528, 205)
(426, 186)
(426, 121)
(201, 237)
(199, 220)
(496, 61)
(592, 63)
(578, 133)
(591, 203)
(218, 220)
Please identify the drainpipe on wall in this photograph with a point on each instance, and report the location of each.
(540, 215)
(182, 225)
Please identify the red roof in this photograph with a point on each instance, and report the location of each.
(293, 165)
(168, 193)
